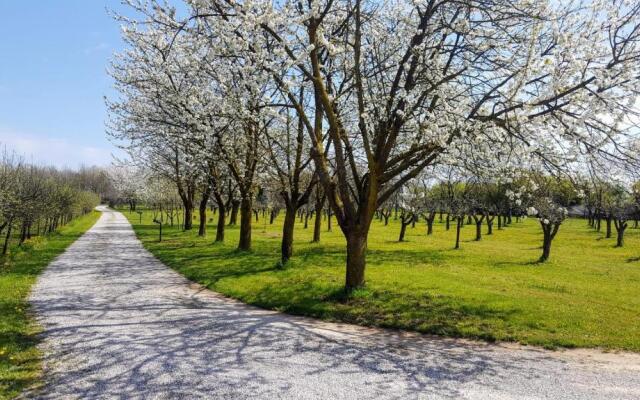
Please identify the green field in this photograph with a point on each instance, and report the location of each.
(587, 295)
(19, 357)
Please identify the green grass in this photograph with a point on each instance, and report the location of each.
(587, 295)
(19, 358)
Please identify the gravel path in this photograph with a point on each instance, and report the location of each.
(119, 324)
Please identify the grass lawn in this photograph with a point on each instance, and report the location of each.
(587, 295)
(19, 357)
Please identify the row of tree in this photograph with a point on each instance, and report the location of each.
(348, 103)
(36, 200)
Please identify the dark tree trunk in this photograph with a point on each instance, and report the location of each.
(478, 221)
(404, 222)
(287, 234)
(317, 222)
(459, 222)
(356, 259)
(202, 228)
(245, 224)
(490, 219)
(549, 233)
(448, 222)
(609, 227)
(233, 219)
(23, 233)
(188, 215)
(546, 247)
(430, 225)
(220, 227)
(621, 226)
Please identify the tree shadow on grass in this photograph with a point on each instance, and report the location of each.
(532, 263)
(424, 312)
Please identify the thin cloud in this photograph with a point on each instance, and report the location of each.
(100, 47)
(58, 152)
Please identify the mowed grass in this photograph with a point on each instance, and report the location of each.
(587, 295)
(19, 358)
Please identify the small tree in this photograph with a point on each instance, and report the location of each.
(548, 205)
(412, 202)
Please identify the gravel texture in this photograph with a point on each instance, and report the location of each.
(119, 324)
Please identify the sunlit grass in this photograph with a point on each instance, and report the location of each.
(19, 358)
(587, 295)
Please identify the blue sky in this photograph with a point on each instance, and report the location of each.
(53, 59)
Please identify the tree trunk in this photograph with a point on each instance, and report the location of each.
(546, 247)
(549, 231)
(621, 226)
(317, 222)
(356, 259)
(403, 227)
(430, 226)
(448, 222)
(245, 224)
(233, 219)
(23, 233)
(478, 221)
(287, 234)
(202, 228)
(220, 226)
(459, 222)
(490, 224)
(272, 217)
(608, 227)
(188, 216)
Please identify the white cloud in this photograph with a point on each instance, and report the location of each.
(102, 46)
(59, 152)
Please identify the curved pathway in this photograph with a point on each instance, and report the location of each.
(119, 324)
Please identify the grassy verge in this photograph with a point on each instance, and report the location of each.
(19, 358)
(586, 296)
